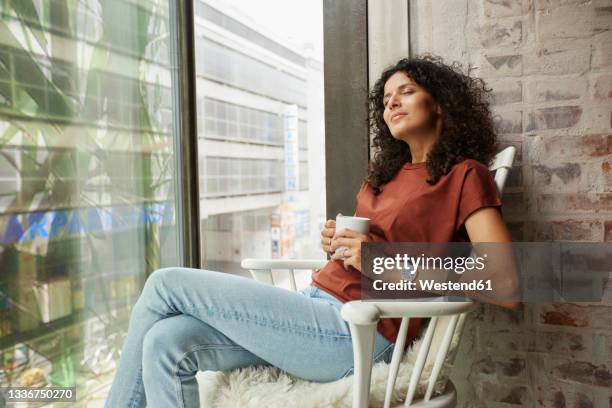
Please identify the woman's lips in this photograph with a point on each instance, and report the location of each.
(398, 115)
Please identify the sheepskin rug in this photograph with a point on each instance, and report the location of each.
(256, 387)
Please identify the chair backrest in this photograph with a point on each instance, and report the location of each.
(501, 164)
(261, 269)
(442, 336)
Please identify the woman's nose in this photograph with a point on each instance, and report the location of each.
(393, 101)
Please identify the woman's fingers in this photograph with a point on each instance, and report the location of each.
(328, 232)
(326, 235)
(336, 257)
(341, 255)
(344, 242)
(349, 233)
(330, 229)
(325, 244)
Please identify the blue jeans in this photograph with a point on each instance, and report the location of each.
(190, 320)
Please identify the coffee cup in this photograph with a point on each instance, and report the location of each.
(357, 224)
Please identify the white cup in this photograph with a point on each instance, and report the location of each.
(357, 224)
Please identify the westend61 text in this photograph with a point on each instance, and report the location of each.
(429, 285)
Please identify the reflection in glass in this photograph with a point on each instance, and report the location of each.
(86, 182)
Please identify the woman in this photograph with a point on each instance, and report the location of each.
(434, 135)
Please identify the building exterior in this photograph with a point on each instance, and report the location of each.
(246, 80)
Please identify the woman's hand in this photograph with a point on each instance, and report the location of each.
(352, 241)
(327, 234)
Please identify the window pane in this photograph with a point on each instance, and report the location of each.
(87, 205)
(255, 98)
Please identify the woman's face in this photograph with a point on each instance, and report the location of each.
(409, 109)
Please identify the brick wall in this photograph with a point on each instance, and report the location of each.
(550, 65)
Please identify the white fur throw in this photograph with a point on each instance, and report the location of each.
(256, 387)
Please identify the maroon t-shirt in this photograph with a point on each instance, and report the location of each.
(408, 209)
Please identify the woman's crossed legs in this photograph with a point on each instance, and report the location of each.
(190, 320)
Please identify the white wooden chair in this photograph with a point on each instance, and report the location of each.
(363, 317)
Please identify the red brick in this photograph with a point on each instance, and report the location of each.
(560, 117)
(568, 230)
(506, 8)
(500, 317)
(608, 231)
(599, 145)
(558, 57)
(561, 319)
(510, 122)
(601, 44)
(566, 314)
(555, 149)
(606, 174)
(546, 90)
(512, 367)
(556, 396)
(567, 344)
(501, 34)
(505, 92)
(483, 366)
(500, 65)
(602, 20)
(503, 339)
(585, 373)
(506, 393)
(602, 87)
(565, 22)
(547, 4)
(565, 172)
(574, 203)
(562, 177)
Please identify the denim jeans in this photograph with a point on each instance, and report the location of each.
(190, 320)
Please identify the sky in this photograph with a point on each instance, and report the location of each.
(300, 21)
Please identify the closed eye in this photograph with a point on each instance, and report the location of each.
(405, 91)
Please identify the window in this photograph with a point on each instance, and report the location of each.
(87, 205)
(257, 91)
(230, 121)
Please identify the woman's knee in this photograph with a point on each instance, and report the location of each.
(167, 343)
(160, 282)
(171, 276)
(158, 277)
(153, 289)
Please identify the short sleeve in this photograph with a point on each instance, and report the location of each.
(478, 191)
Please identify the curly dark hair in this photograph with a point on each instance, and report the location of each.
(467, 124)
